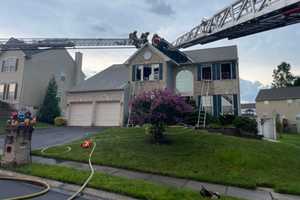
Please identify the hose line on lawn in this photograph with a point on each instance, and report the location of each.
(29, 196)
(89, 178)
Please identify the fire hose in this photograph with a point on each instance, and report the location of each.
(89, 178)
(29, 196)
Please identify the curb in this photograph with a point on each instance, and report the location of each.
(69, 189)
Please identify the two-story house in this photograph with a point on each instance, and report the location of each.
(210, 76)
(25, 74)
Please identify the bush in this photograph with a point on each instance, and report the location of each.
(158, 108)
(226, 119)
(246, 124)
(60, 121)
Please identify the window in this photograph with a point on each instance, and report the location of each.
(227, 104)
(226, 71)
(185, 83)
(2, 91)
(10, 65)
(207, 104)
(206, 73)
(147, 72)
(12, 91)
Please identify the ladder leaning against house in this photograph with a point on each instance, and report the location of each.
(202, 115)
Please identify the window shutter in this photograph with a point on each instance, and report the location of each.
(2, 67)
(6, 91)
(199, 102)
(216, 70)
(17, 64)
(160, 71)
(16, 92)
(133, 72)
(217, 105)
(233, 70)
(199, 74)
(235, 104)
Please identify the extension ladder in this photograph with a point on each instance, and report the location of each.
(202, 115)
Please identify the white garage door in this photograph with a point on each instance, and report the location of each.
(108, 114)
(80, 114)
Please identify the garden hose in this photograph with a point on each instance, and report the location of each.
(89, 178)
(29, 196)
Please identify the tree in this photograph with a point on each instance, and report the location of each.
(158, 108)
(50, 107)
(297, 81)
(282, 76)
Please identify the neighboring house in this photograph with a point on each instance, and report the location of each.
(248, 109)
(103, 99)
(279, 101)
(25, 74)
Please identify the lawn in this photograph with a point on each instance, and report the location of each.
(292, 139)
(197, 155)
(134, 188)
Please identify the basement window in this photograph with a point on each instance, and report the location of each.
(226, 71)
(206, 73)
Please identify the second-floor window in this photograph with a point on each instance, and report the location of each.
(149, 72)
(226, 71)
(10, 65)
(206, 73)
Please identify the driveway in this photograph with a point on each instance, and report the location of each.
(56, 136)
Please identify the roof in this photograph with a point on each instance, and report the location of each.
(226, 53)
(113, 78)
(27, 52)
(278, 94)
(248, 106)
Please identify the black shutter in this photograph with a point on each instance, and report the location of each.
(199, 72)
(235, 105)
(17, 64)
(217, 105)
(16, 91)
(199, 102)
(161, 71)
(216, 70)
(2, 67)
(133, 72)
(233, 70)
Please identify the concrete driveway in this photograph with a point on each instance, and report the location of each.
(56, 136)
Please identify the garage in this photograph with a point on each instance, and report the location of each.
(80, 114)
(108, 114)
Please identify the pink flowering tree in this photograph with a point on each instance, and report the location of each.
(158, 108)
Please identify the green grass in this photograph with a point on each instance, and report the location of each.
(292, 139)
(200, 156)
(134, 188)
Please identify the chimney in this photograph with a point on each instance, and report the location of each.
(78, 68)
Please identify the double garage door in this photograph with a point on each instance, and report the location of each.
(105, 114)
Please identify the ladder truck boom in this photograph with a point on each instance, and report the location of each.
(242, 18)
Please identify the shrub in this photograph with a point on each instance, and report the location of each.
(226, 119)
(246, 124)
(158, 108)
(60, 121)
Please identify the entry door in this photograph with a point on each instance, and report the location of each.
(108, 114)
(80, 114)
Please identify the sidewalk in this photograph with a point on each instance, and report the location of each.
(258, 194)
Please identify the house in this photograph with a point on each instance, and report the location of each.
(284, 102)
(25, 74)
(210, 76)
(248, 109)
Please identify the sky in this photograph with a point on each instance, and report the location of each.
(258, 54)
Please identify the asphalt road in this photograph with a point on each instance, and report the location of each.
(44, 138)
(9, 189)
(56, 136)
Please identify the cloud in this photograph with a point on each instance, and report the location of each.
(249, 90)
(160, 7)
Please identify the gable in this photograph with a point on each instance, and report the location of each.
(139, 56)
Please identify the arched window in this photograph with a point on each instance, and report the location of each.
(185, 83)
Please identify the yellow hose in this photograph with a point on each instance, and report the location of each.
(29, 196)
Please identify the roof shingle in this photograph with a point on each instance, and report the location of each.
(113, 78)
(278, 94)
